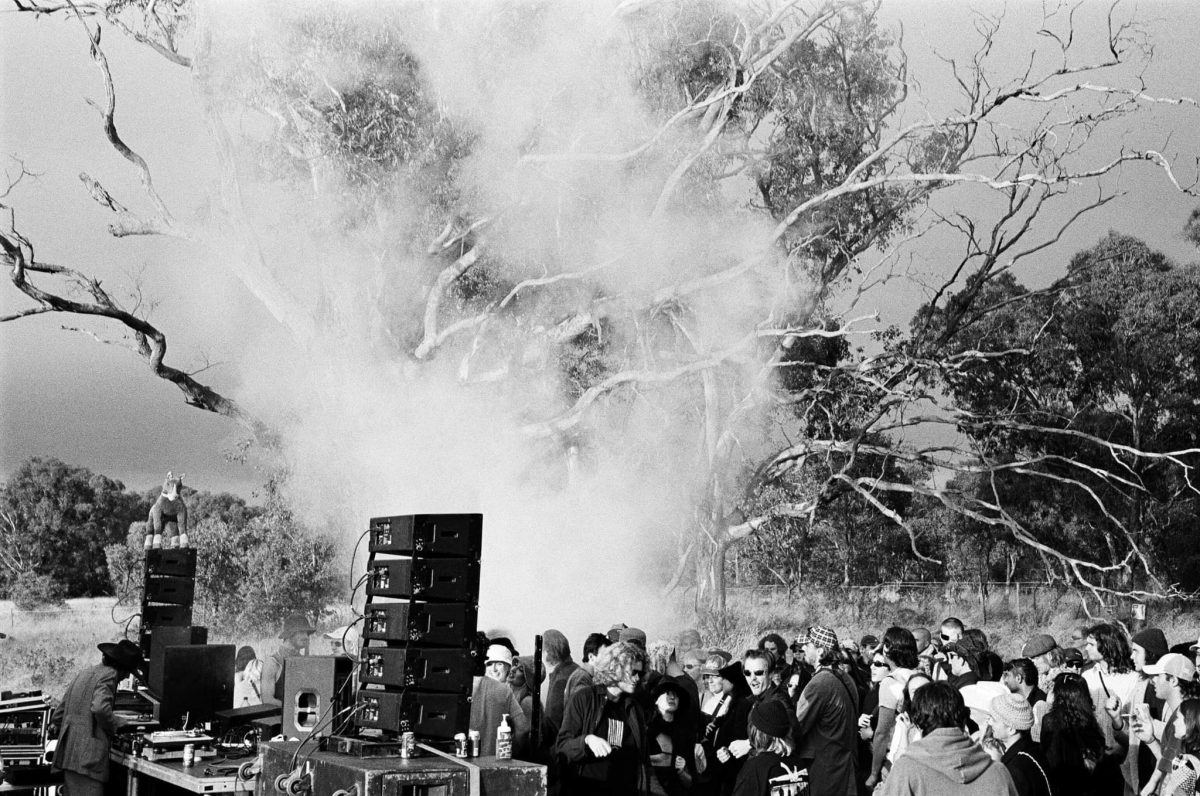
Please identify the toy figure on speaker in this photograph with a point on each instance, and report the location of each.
(167, 526)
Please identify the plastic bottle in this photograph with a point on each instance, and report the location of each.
(504, 740)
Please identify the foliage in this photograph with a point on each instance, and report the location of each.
(58, 520)
(254, 564)
(30, 591)
(1078, 379)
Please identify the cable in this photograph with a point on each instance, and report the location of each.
(354, 555)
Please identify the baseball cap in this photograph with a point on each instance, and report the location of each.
(1173, 664)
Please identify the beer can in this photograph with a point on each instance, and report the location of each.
(473, 742)
(460, 745)
(408, 744)
(189, 755)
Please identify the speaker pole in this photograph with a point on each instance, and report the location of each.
(535, 721)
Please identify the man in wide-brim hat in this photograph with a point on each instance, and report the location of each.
(295, 632)
(85, 717)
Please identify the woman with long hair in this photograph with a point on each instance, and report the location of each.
(1071, 738)
(1111, 682)
(899, 653)
(1185, 768)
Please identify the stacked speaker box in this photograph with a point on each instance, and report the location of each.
(422, 585)
(168, 593)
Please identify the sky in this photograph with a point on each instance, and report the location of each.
(65, 394)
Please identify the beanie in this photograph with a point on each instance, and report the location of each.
(1153, 642)
(771, 717)
(1014, 710)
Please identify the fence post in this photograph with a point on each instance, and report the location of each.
(1018, 602)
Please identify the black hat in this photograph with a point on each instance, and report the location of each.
(125, 654)
(669, 684)
(733, 673)
(771, 717)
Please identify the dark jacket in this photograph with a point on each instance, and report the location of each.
(86, 724)
(584, 716)
(1027, 768)
(827, 714)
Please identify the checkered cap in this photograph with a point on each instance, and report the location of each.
(820, 636)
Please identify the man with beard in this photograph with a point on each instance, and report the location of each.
(826, 712)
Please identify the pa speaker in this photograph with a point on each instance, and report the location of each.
(433, 716)
(432, 579)
(173, 589)
(430, 535)
(444, 624)
(181, 562)
(316, 689)
(197, 684)
(448, 670)
(169, 636)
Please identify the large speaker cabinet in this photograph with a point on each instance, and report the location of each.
(415, 664)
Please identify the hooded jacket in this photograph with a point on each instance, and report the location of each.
(946, 762)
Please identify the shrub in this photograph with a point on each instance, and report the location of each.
(30, 591)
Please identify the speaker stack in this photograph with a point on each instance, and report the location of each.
(168, 594)
(422, 585)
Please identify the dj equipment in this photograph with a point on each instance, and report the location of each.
(416, 662)
(316, 692)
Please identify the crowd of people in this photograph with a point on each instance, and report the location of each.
(908, 712)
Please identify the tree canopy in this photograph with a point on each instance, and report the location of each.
(635, 235)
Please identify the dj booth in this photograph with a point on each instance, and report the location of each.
(409, 686)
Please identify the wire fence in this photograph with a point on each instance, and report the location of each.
(1017, 599)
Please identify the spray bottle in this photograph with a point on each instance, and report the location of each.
(504, 740)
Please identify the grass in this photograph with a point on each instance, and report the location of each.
(45, 649)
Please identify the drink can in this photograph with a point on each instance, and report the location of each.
(460, 745)
(189, 755)
(408, 744)
(473, 742)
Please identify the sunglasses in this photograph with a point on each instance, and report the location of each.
(945, 636)
(879, 663)
(754, 673)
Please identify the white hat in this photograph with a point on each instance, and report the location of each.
(498, 653)
(1173, 664)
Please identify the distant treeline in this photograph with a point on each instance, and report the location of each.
(68, 532)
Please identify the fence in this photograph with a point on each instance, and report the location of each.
(1020, 600)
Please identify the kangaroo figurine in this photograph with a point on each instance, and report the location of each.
(168, 517)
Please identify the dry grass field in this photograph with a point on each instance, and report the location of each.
(44, 649)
